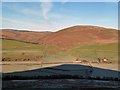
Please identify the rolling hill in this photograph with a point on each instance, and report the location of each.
(79, 35)
(87, 42)
(27, 36)
(72, 36)
(14, 49)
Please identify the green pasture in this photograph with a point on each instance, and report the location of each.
(49, 53)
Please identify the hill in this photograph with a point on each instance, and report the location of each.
(78, 35)
(28, 36)
(72, 36)
(79, 42)
(86, 42)
(51, 53)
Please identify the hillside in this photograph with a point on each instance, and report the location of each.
(15, 49)
(78, 35)
(72, 36)
(28, 36)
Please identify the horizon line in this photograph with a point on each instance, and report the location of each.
(38, 30)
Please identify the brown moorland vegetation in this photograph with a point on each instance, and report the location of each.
(71, 36)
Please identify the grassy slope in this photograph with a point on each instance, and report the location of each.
(54, 53)
(15, 49)
(94, 51)
(16, 45)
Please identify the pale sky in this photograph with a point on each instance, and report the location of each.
(53, 16)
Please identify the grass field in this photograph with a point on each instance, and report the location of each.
(94, 51)
(26, 51)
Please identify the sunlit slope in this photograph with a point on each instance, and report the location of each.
(19, 45)
(79, 35)
(67, 37)
(52, 53)
(95, 51)
(28, 36)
